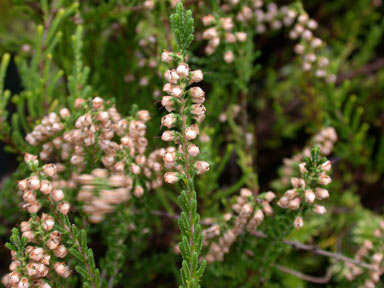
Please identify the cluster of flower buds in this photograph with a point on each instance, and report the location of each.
(185, 106)
(96, 126)
(271, 17)
(39, 182)
(210, 233)
(301, 28)
(220, 30)
(370, 252)
(145, 61)
(155, 165)
(250, 212)
(308, 188)
(325, 139)
(308, 47)
(30, 268)
(100, 192)
(50, 125)
(96, 129)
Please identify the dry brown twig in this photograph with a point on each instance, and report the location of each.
(298, 245)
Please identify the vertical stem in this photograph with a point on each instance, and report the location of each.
(188, 176)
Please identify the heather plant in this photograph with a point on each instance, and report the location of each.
(222, 143)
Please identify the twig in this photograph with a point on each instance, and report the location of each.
(298, 245)
(367, 69)
(319, 280)
(316, 250)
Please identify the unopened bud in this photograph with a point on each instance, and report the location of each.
(298, 222)
(171, 177)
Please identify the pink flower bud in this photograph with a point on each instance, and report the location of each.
(241, 36)
(167, 88)
(267, 208)
(64, 208)
(298, 222)
(143, 115)
(294, 204)
(46, 187)
(79, 102)
(53, 243)
(326, 166)
(297, 183)
(24, 283)
(135, 169)
(302, 168)
(319, 209)
(290, 194)
(97, 103)
(14, 264)
(36, 254)
(201, 167)
(25, 226)
(33, 207)
(166, 56)
(245, 193)
(183, 70)
(199, 111)
(246, 210)
(29, 158)
(32, 269)
(191, 132)
(57, 195)
(168, 136)
(169, 157)
(321, 193)
(312, 24)
(168, 103)
(47, 222)
(14, 278)
(309, 196)
(208, 20)
(229, 57)
(210, 33)
(22, 185)
(369, 284)
(29, 235)
(197, 94)
(102, 116)
(171, 76)
(61, 251)
(214, 42)
(138, 192)
(50, 170)
(197, 76)
(324, 179)
(46, 258)
(34, 182)
(168, 121)
(29, 196)
(283, 202)
(171, 177)
(64, 113)
(269, 196)
(193, 150)
(176, 91)
(259, 216)
(62, 270)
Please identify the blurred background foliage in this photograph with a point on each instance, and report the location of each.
(281, 108)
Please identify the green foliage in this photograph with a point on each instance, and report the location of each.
(261, 109)
(182, 24)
